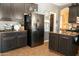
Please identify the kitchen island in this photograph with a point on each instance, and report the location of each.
(12, 39)
(64, 42)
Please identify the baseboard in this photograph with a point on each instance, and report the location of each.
(46, 40)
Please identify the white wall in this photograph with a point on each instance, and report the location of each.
(47, 9)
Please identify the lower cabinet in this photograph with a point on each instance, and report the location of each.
(0, 43)
(21, 39)
(63, 44)
(67, 45)
(12, 40)
(8, 43)
(78, 41)
(53, 42)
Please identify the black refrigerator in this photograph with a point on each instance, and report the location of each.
(34, 24)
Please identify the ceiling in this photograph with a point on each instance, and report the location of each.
(60, 4)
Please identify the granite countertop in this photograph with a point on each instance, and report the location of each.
(12, 31)
(67, 33)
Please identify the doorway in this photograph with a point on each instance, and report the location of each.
(52, 22)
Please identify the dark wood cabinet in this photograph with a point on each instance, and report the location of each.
(78, 11)
(15, 11)
(73, 13)
(6, 11)
(63, 43)
(18, 10)
(67, 45)
(53, 41)
(21, 39)
(8, 41)
(0, 43)
(12, 40)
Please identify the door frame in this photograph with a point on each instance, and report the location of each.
(54, 27)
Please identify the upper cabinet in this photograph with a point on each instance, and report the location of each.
(5, 11)
(73, 13)
(30, 7)
(78, 11)
(15, 11)
(18, 10)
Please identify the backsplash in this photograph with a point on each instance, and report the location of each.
(7, 25)
(73, 26)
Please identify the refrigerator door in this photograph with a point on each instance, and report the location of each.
(37, 29)
(34, 24)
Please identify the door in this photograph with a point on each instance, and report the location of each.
(51, 22)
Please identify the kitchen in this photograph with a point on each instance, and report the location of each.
(67, 39)
(18, 16)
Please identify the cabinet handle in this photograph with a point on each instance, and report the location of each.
(65, 38)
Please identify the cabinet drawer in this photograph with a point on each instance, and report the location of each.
(8, 38)
(22, 33)
(8, 34)
(22, 41)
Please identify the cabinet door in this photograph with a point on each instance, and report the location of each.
(67, 45)
(63, 44)
(8, 41)
(12, 11)
(18, 11)
(30, 5)
(72, 14)
(21, 39)
(0, 43)
(78, 11)
(53, 41)
(6, 10)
